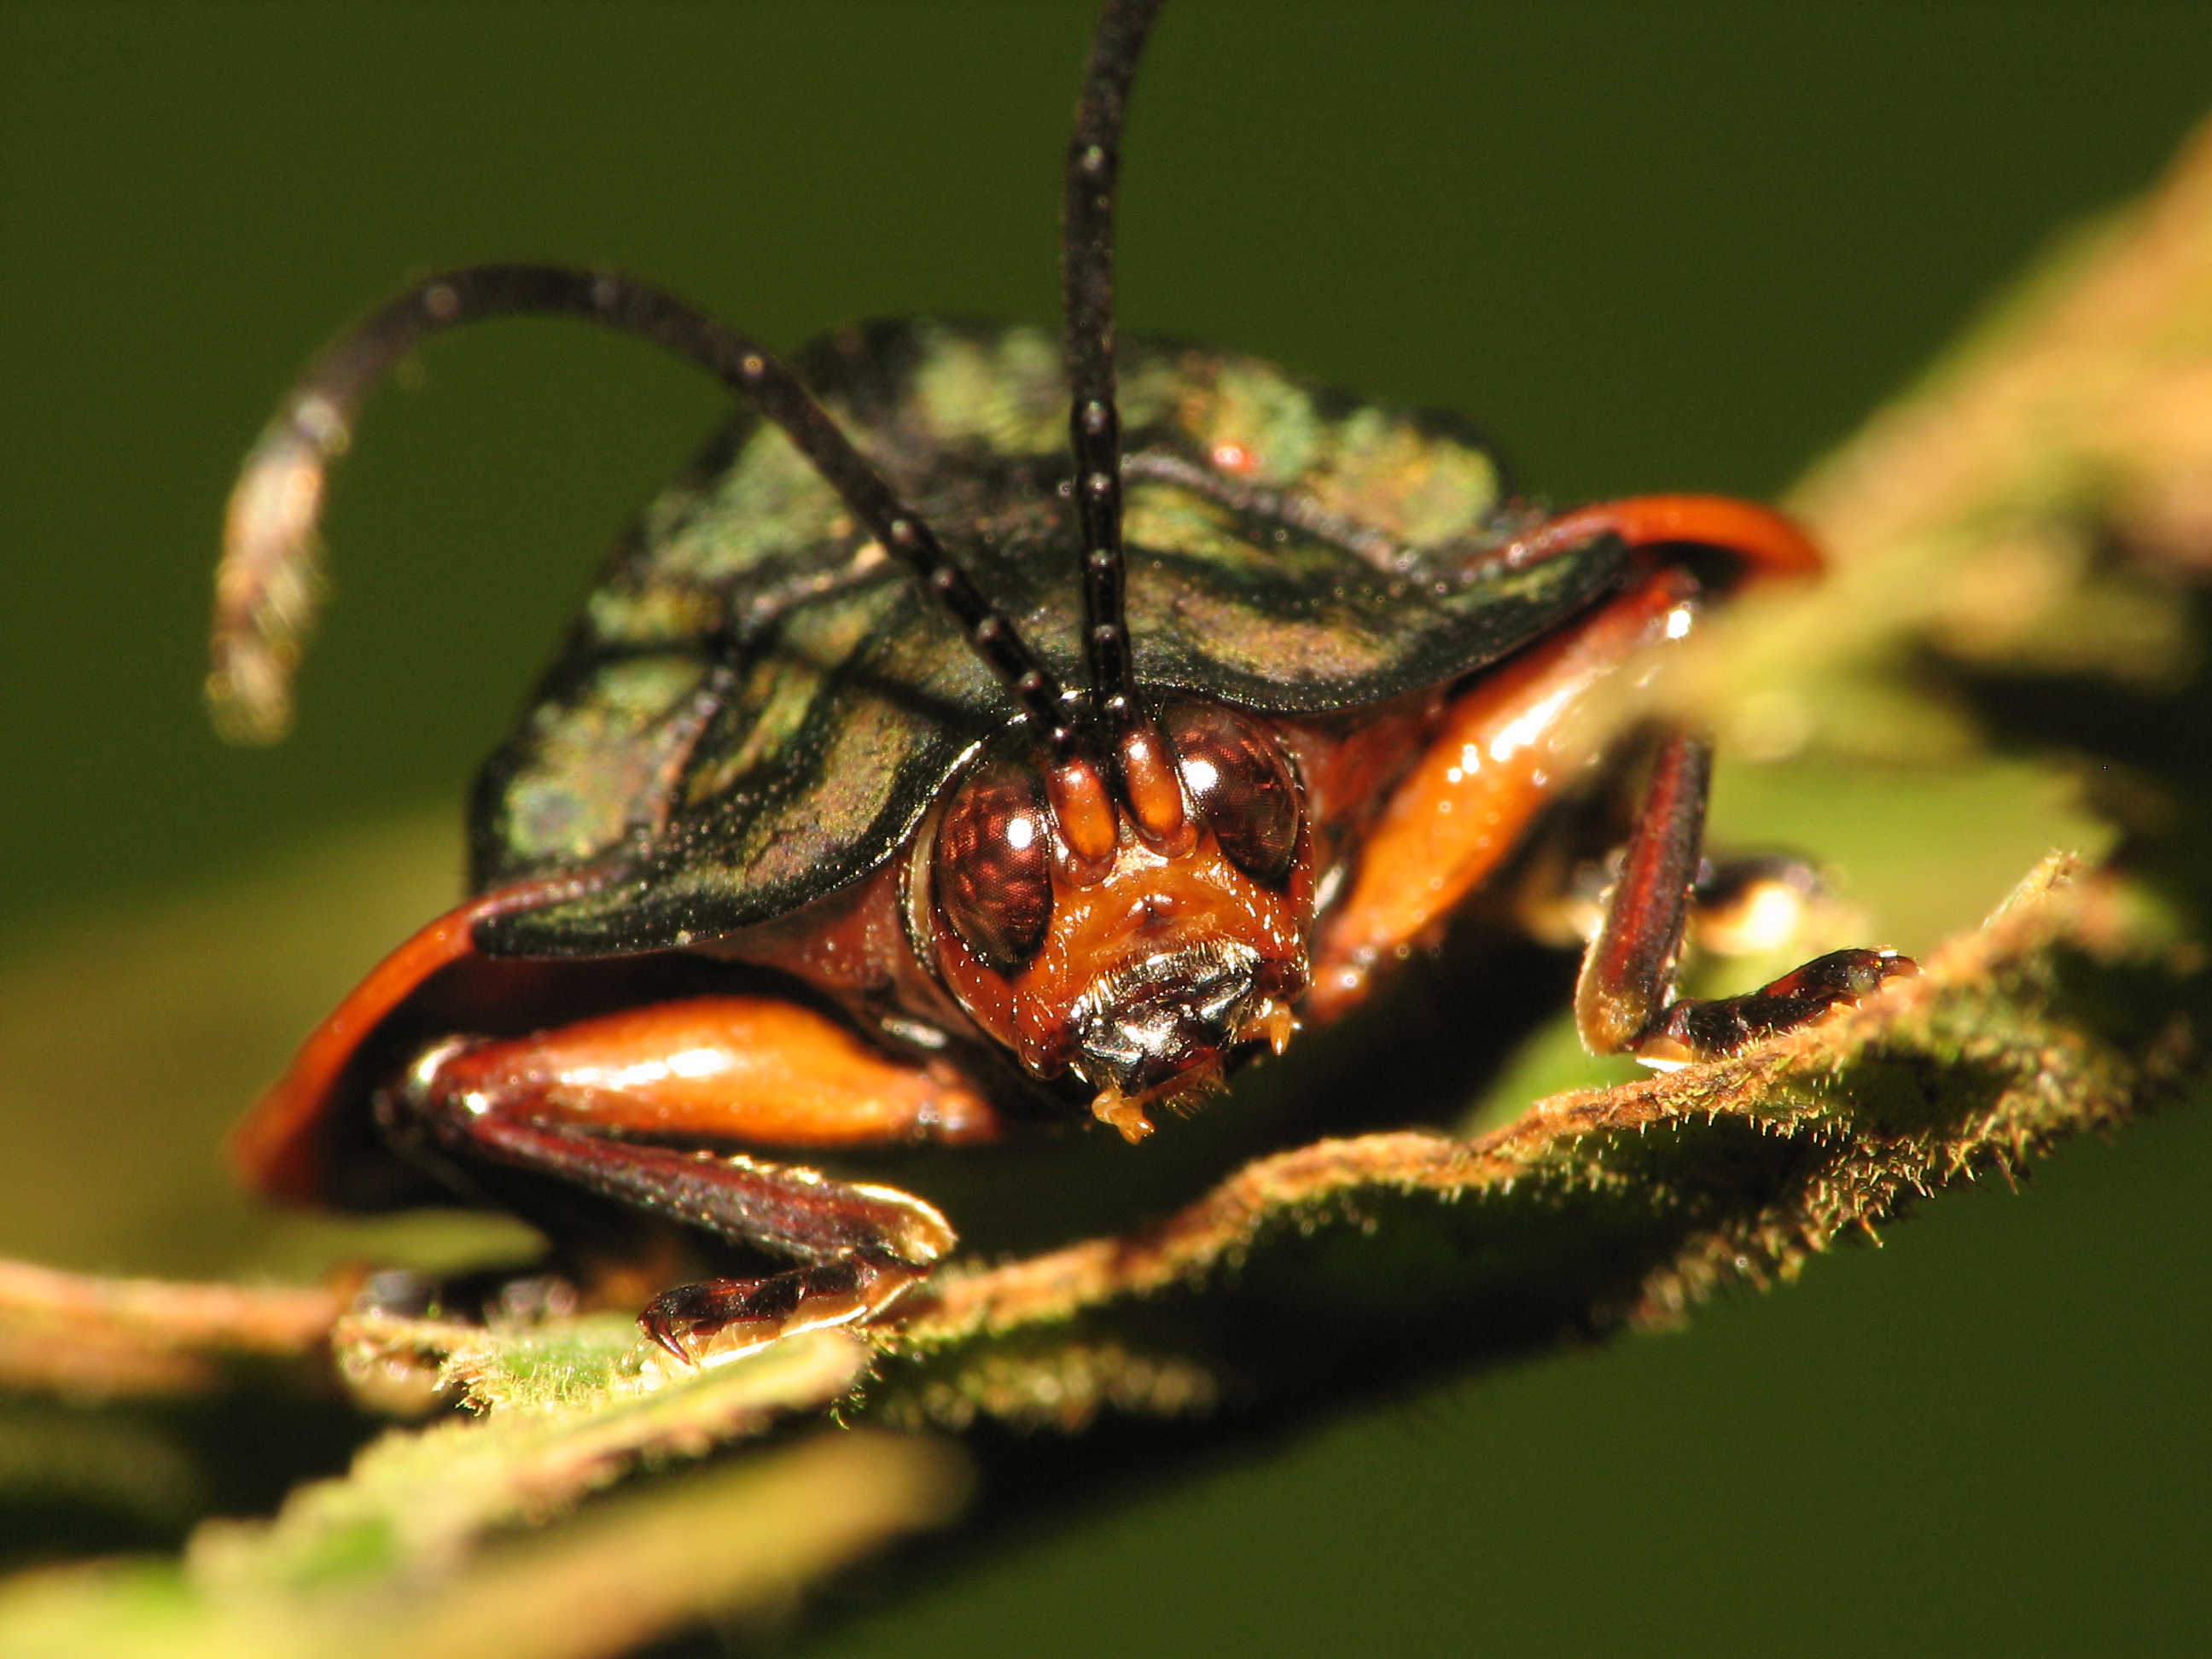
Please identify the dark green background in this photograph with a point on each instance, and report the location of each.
(1680, 247)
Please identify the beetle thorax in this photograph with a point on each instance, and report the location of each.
(1147, 967)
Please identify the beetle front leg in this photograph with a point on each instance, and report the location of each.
(563, 1104)
(1624, 999)
(860, 1247)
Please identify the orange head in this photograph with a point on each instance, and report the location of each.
(1138, 942)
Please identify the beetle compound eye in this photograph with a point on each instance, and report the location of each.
(1241, 784)
(993, 864)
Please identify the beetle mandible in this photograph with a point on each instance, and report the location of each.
(842, 821)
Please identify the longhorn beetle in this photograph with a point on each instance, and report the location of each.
(842, 820)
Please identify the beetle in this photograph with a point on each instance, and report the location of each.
(982, 727)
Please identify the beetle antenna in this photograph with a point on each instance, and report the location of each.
(265, 590)
(1086, 244)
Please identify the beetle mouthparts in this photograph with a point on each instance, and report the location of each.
(1121, 1113)
(1162, 1027)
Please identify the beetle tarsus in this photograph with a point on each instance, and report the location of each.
(718, 1319)
(1693, 1030)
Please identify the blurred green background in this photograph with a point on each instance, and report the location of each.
(1653, 247)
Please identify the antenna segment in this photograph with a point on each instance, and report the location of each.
(1094, 160)
(265, 589)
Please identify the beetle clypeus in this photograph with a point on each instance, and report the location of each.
(821, 834)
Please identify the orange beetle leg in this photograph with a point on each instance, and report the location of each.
(744, 1069)
(859, 1247)
(1506, 743)
(715, 1069)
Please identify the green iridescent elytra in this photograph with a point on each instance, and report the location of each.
(757, 707)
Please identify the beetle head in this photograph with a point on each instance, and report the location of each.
(1142, 938)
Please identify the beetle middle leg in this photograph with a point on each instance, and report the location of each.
(596, 1103)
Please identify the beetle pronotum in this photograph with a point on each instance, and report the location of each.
(841, 821)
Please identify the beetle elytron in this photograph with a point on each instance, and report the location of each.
(842, 821)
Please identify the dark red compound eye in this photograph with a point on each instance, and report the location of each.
(1241, 784)
(994, 864)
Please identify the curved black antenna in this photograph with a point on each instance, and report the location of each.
(1086, 256)
(265, 590)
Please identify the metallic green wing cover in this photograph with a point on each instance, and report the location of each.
(757, 707)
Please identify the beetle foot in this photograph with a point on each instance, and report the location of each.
(1693, 1030)
(719, 1319)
